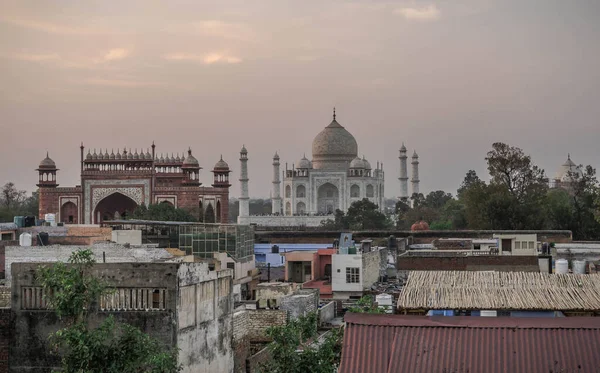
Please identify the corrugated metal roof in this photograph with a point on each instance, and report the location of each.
(415, 344)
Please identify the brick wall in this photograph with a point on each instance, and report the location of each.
(90, 231)
(252, 324)
(301, 303)
(4, 296)
(3, 245)
(469, 263)
(5, 328)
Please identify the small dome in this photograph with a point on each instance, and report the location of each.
(136, 155)
(415, 155)
(94, 155)
(276, 156)
(403, 148)
(190, 160)
(420, 226)
(89, 155)
(129, 154)
(357, 163)
(148, 155)
(366, 163)
(221, 165)
(106, 155)
(244, 151)
(118, 155)
(47, 162)
(162, 159)
(304, 163)
(112, 154)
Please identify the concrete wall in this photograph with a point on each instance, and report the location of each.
(252, 324)
(205, 319)
(241, 268)
(283, 221)
(269, 291)
(132, 237)
(114, 253)
(326, 313)
(519, 239)
(469, 263)
(301, 256)
(307, 235)
(3, 246)
(339, 263)
(4, 296)
(374, 264)
(5, 332)
(301, 303)
(29, 349)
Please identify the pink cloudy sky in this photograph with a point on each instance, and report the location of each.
(448, 78)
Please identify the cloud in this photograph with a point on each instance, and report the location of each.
(36, 57)
(207, 59)
(225, 30)
(119, 82)
(51, 28)
(428, 13)
(116, 54)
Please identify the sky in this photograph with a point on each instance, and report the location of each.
(448, 78)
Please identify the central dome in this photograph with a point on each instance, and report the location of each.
(334, 147)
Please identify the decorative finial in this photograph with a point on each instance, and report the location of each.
(221, 156)
(569, 156)
(189, 150)
(153, 144)
(82, 145)
(47, 154)
(334, 113)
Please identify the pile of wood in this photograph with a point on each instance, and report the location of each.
(467, 290)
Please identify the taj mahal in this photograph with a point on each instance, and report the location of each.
(333, 179)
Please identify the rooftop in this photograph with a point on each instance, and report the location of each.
(394, 343)
(478, 290)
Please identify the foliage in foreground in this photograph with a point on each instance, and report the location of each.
(366, 304)
(111, 347)
(162, 212)
(297, 334)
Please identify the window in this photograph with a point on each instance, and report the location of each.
(288, 191)
(370, 191)
(531, 244)
(517, 245)
(352, 275)
(300, 191)
(231, 265)
(354, 191)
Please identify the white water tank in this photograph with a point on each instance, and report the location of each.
(50, 218)
(25, 239)
(579, 267)
(562, 266)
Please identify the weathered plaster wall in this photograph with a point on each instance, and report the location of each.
(300, 304)
(374, 264)
(113, 253)
(269, 291)
(205, 319)
(326, 313)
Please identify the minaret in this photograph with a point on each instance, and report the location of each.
(244, 199)
(276, 199)
(403, 174)
(415, 174)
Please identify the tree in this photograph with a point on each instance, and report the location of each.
(300, 332)
(366, 304)
(365, 214)
(11, 197)
(339, 222)
(161, 212)
(437, 200)
(73, 293)
(583, 190)
(470, 179)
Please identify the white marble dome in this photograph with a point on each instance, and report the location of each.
(569, 166)
(304, 163)
(334, 147)
(357, 163)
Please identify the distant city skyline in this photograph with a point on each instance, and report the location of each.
(446, 78)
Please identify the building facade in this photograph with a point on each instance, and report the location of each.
(314, 189)
(113, 185)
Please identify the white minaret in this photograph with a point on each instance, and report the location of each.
(403, 174)
(415, 173)
(244, 199)
(276, 198)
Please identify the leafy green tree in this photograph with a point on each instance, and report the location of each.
(583, 190)
(366, 304)
(365, 214)
(161, 212)
(437, 199)
(14, 202)
(337, 223)
(299, 333)
(559, 209)
(73, 293)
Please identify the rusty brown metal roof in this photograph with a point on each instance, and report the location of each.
(415, 344)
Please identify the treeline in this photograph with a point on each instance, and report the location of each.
(517, 197)
(15, 202)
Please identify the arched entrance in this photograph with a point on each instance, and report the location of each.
(328, 198)
(69, 213)
(114, 206)
(201, 212)
(218, 211)
(209, 214)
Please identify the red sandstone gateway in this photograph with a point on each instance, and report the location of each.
(113, 185)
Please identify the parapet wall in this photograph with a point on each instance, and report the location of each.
(506, 263)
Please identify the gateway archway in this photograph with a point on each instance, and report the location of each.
(114, 206)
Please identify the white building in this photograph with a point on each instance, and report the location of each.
(565, 174)
(351, 274)
(516, 244)
(314, 189)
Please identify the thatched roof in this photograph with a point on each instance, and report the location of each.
(467, 290)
